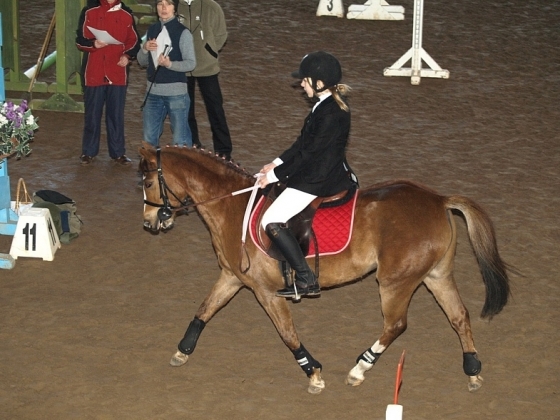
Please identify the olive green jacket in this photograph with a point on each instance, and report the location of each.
(206, 22)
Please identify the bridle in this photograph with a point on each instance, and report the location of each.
(166, 209)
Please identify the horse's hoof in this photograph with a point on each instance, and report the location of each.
(179, 359)
(350, 380)
(475, 382)
(316, 385)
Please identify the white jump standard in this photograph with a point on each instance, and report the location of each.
(371, 10)
(375, 10)
(416, 54)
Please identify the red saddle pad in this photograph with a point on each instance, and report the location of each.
(332, 227)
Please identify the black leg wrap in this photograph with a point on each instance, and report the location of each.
(368, 356)
(471, 365)
(305, 361)
(188, 343)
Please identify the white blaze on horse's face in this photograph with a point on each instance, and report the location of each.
(151, 221)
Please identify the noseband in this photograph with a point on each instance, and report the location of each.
(165, 209)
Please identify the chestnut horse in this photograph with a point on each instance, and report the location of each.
(402, 231)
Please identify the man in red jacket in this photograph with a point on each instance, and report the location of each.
(108, 37)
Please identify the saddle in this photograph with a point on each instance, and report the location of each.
(302, 225)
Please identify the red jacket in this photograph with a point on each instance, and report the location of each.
(101, 66)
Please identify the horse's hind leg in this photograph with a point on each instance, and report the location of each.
(445, 291)
(222, 292)
(394, 304)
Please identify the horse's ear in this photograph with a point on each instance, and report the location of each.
(146, 145)
(147, 153)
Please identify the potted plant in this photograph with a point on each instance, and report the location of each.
(17, 128)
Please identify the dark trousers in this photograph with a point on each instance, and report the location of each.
(212, 95)
(95, 98)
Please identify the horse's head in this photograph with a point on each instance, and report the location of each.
(160, 200)
(173, 176)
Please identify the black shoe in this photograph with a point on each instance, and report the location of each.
(86, 160)
(122, 160)
(307, 291)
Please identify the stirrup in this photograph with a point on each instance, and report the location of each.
(297, 293)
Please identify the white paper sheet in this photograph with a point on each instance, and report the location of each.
(103, 36)
(163, 46)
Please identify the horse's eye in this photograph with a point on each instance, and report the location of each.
(148, 184)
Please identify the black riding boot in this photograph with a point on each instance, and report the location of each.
(305, 281)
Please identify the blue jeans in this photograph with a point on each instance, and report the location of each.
(155, 111)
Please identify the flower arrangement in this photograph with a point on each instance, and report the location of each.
(17, 128)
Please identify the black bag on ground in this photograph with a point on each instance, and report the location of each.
(63, 212)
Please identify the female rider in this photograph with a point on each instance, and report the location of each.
(314, 166)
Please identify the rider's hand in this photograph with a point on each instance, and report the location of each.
(268, 167)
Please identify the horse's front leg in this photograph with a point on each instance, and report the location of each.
(279, 312)
(222, 292)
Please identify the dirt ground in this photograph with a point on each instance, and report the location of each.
(90, 334)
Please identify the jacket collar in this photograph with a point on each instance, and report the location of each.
(115, 6)
(323, 99)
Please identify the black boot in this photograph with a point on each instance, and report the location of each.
(305, 281)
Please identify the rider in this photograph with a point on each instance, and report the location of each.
(314, 166)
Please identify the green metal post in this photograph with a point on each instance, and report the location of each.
(68, 59)
(15, 79)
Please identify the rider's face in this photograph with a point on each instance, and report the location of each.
(306, 85)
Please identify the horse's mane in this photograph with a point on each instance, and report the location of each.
(211, 156)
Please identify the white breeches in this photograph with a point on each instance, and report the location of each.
(289, 203)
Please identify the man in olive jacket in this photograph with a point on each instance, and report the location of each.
(206, 22)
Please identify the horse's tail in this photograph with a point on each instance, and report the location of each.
(483, 240)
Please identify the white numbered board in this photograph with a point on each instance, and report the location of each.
(35, 235)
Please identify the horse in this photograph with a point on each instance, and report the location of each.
(403, 232)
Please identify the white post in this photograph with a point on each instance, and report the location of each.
(394, 412)
(416, 54)
(330, 8)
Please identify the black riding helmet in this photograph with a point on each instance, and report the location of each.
(320, 65)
